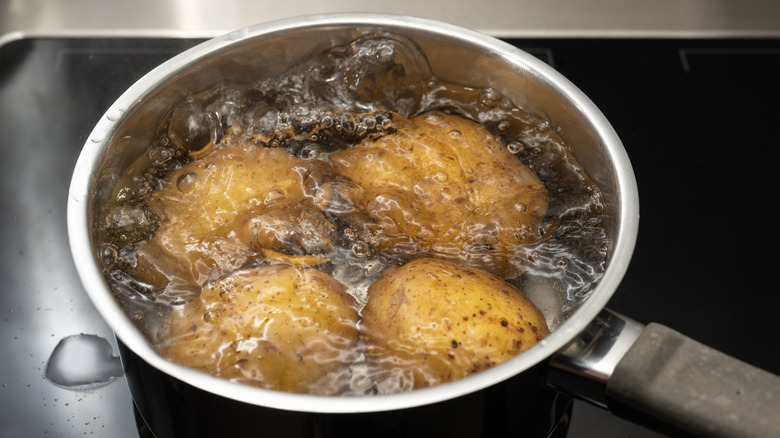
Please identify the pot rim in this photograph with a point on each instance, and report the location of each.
(96, 287)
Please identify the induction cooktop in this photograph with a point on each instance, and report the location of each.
(698, 118)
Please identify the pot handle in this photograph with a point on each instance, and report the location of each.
(657, 377)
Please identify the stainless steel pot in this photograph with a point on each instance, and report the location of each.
(593, 353)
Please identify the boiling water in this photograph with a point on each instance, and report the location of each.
(331, 102)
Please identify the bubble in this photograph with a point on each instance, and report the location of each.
(440, 177)
(524, 231)
(543, 126)
(349, 126)
(226, 295)
(386, 124)
(514, 147)
(129, 224)
(361, 129)
(212, 315)
(109, 256)
(349, 234)
(520, 207)
(186, 182)
(191, 127)
(326, 122)
(489, 98)
(160, 155)
(562, 262)
(503, 125)
(455, 134)
(361, 249)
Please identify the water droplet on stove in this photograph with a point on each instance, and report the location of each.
(82, 362)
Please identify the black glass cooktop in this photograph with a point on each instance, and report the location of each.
(698, 118)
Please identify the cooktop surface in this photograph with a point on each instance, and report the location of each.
(698, 118)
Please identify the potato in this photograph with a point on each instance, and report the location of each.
(439, 186)
(239, 204)
(431, 321)
(277, 327)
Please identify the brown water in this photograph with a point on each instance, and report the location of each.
(328, 104)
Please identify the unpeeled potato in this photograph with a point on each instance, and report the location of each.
(277, 327)
(431, 321)
(240, 204)
(439, 186)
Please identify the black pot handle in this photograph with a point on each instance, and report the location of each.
(667, 381)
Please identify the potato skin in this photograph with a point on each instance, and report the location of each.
(439, 186)
(432, 321)
(239, 204)
(277, 327)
